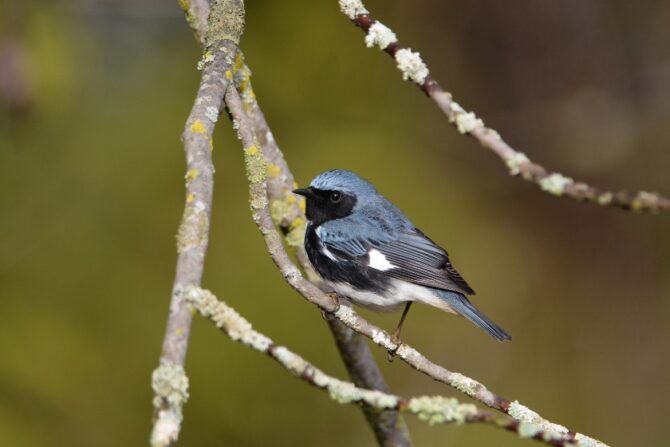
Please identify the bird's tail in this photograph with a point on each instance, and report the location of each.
(462, 306)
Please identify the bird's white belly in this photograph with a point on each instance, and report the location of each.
(395, 296)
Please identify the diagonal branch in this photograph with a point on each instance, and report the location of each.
(257, 174)
(433, 409)
(388, 426)
(169, 380)
(413, 68)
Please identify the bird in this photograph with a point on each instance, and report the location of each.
(368, 252)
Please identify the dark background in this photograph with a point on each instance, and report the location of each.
(93, 96)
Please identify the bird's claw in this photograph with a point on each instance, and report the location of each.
(333, 296)
(395, 339)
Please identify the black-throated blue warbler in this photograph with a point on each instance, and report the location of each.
(369, 252)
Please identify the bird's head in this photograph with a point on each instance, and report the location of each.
(334, 194)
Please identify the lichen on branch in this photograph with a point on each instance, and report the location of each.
(414, 69)
(430, 409)
(219, 50)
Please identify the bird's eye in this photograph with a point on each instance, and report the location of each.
(335, 197)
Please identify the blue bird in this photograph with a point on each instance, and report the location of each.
(367, 251)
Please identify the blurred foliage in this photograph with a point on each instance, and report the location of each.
(92, 167)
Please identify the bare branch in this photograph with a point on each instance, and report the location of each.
(170, 383)
(431, 409)
(257, 174)
(413, 68)
(388, 425)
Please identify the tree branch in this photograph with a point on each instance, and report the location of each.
(170, 383)
(257, 174)
(197, 14)
(431, 409)
(413, 68)
(169, 380)
(387, 425)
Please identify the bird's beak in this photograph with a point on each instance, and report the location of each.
(306, 192)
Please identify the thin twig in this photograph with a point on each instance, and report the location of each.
(169, 380)
(414, 69)
(388, 426)
(257, 174)
(431, 409)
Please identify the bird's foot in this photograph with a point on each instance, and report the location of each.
(333, 296)
(395, 339)
(336, 300)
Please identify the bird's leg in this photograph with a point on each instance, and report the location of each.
(395, 336)
(332, 296)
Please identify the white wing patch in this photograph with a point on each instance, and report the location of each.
(378, 261)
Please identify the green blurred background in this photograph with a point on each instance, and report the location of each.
(93, 96)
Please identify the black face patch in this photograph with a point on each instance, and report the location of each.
(323, 206)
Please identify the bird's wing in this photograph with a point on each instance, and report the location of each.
(408, 256)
